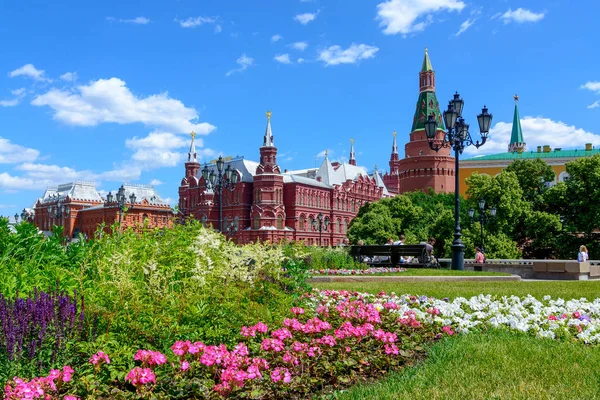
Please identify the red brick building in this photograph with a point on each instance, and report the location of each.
(79, 208)
(268, 204)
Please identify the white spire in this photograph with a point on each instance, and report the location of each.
(325, 171)
(394, 145)
(192, 153)
(268, 140)
(352, 155)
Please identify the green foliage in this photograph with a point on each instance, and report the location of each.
(532, 176)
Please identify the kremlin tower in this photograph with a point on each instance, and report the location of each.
(422, 168)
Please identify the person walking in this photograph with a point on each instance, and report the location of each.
(400, 241)
(479, 257)
(583, 254)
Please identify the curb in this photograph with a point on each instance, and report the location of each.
(383, 278)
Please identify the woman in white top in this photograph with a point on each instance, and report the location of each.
(583, 254)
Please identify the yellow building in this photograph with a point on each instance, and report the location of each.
(494, 164)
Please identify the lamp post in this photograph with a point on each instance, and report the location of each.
(16, 218)
(320, 224)
(25, 215)
(482, 219)
(457, 137)
(219, 181)
(121, 201)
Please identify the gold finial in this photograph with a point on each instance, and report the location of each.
(351, 141)
(193, 134)
(516, 97)
(269, 115)
(394, 133)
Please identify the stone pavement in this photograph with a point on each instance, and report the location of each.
(396, 278)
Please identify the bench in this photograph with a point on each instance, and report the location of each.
(391, 254)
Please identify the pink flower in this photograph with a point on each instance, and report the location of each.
(99, 358)
(279, 374)
(70, 398)
(140, 376)
(67, 373)
(576, 314)
(297, 310)
(241, 350)
(222, 388)
(448, 330)
(552, 317)
(272, 344)
(184, 366)
(281, 334)
(262, 327)
(148, 357)
(391, 348)
(181, 347)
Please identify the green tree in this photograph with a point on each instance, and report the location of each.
(532, 176)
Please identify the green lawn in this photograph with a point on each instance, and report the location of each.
(493, 365)
(564, 289)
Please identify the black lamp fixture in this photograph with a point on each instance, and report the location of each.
(321, 223)
(457, 137)
(482, 219)
(218, 181)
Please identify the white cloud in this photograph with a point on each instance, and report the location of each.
(193, 22)
(48, 172)
(244, 62)
(10, 103)
(595, 104)
(13, 153)
(464, 26)
(521, 15)
(300, 45)
(69, 76)
(283, 58)
(160, 140)
(149, 158)
(7, 206)
(306, 17)
(156, 182)
(300, 60)
(537, 131)
(594, 86)
(335, 55)
(218, 28)
(30, 71)
(10, 182)
(406, 16)
(276, 38)
(136, 20)
(110, 100)
(18, 92)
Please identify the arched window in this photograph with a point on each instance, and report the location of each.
(236, 222)
(336, 226)
(256, 222)
(279, 222)
(301, 223)
(345, 226)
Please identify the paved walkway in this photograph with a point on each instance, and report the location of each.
(396, 278)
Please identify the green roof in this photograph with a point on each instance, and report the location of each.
(427, 104)
(426, 63)
(517, 133)
(534, 154)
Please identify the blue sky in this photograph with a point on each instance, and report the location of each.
(108, 91)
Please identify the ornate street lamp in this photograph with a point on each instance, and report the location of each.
(16, 218)
(482, 219)
(457, 137)
(320, 224)
(121, 201)
(219, 181)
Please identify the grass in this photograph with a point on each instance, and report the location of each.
(564, 289)
(493, 365)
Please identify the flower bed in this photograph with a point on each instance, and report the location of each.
(339, 338)
(368, 271)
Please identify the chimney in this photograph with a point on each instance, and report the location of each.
(539, 149)
(547, 149)
(588, 147)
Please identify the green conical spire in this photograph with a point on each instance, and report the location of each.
(426, 63)
(516, 138)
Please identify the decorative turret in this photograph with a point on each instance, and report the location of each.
(268, 140)
(517, 144)
(192, 166)
(352, 160)
(427, 103)
(394, 146)
(268, 152)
